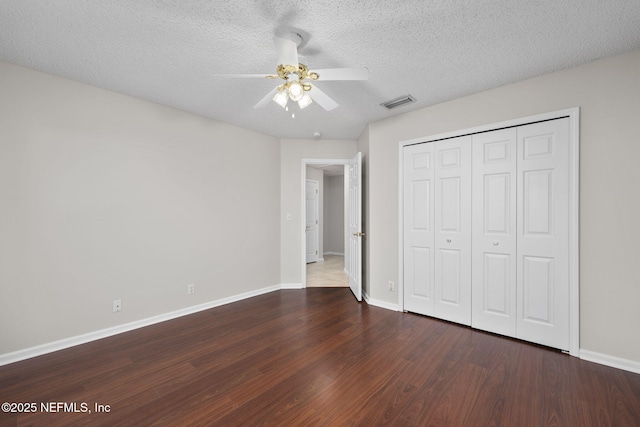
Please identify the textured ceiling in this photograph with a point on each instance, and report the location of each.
(168, 51)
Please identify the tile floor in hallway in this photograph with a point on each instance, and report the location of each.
(328, 273)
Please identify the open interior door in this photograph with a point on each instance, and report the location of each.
(311, 226)
(354, 259)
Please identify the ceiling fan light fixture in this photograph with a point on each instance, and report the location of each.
(296, 92)
(305, 101)
(293, 69)
(281, 97)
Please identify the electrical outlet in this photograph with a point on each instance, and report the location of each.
(392, 286)
(117, 305)
(191, 289)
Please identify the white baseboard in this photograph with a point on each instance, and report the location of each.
(334, 253)
(381, 304)
(39, 350)
(291, 286)
(612, 361)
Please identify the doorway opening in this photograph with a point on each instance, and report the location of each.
(325, 213)
(351, 214)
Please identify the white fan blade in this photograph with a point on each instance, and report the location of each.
(357, 73)
(287, 51)
(264, 101)
(245, 76)
(322, 98)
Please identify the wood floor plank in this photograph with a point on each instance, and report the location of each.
(316, 357)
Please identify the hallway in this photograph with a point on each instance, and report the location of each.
(328, 273)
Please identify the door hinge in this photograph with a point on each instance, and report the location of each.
(317, 191)
(316, 221)
(316, 252)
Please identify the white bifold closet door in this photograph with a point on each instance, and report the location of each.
(486, 229)
(494, 232)
(543, 233)
(520, 232)
(437, 229)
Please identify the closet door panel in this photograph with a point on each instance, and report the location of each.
(497, 289)
(448, 262)
(452, 202)
(543, 248)
(418, 198)
(494, 231)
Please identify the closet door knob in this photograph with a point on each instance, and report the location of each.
(448, 240)
(496, 243)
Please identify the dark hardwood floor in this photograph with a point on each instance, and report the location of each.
(317, 357)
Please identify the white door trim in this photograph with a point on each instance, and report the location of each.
(303, 208)
(574, 203)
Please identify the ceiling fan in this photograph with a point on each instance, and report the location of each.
(297, 86)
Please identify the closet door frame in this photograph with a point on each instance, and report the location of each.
(573, 202)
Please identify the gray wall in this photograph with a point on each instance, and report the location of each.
(103, 196)
(334, 214)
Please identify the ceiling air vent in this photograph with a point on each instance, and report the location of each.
(407, 99)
